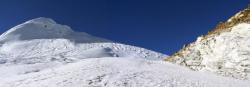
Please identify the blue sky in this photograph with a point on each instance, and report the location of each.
(160, 25)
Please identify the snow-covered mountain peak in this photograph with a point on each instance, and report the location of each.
(46, 28)
(43, 40)
(42, 20)
(224, 51)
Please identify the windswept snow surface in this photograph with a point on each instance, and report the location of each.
(42, 53)
(120, 72)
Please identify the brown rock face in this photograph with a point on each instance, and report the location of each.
(241, 17)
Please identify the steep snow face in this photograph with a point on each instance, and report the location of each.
(117, 72)
(227, 53)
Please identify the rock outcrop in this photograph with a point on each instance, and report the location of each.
(224, 50)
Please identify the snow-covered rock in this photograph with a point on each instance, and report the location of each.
(225, 51)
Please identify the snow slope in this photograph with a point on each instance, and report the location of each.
(120, 72)
(43, 40)
(41, 43)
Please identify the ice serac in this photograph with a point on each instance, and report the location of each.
(225, 50)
